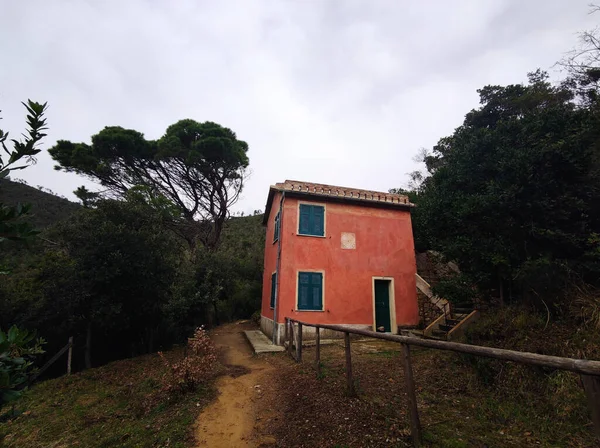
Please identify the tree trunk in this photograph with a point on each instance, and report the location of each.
(88, 346)
(150, 341)
(216, 313)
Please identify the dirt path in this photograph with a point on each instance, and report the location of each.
(231, 421)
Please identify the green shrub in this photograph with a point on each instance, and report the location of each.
(17, 349)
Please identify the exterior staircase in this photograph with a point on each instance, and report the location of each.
(454, 319)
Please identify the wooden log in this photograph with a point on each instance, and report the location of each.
(409, 387)
(299, 344)
(70, 355)
(591, 386)
(349, 377)
(318, 351)
(582, 366)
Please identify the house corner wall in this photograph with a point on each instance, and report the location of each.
(270, 263)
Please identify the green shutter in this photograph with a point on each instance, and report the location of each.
(317, 291)
(277, 227)
(273, 289)
(310, 291)
(304, 226)
(318, 220)
(312, 220)
(303, 290)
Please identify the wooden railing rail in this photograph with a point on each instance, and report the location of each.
(588, 369)
(52, 360)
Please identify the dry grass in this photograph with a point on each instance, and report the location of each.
(119, 404)
(586, 305)
(457, 408)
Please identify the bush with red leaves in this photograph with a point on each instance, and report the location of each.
(186, 375)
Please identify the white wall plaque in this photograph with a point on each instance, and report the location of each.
(348, 240)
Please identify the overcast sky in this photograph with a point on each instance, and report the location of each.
(338, 92)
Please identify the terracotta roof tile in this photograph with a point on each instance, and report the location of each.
(335, 191)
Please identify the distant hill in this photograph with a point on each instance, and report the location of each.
(243, 235)
(46, 209)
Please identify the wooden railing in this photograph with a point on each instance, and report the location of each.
(588, 369)
(69, 348)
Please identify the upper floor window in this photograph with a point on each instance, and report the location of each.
(277, 227)
(311, 220)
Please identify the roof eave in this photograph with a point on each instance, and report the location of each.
(340, 199)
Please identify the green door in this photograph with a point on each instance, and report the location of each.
(382, 306)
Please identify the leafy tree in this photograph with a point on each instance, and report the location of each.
(120, 285)
(513, 195)
(88, 198)
(199, 167)
(11, 225)
(583, 65)
(17, 351)
(223, 284)
(17, 347)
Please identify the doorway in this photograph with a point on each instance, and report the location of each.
(383, 299)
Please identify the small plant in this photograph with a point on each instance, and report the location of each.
(17, 350)
(186, 375)
(586, 305)
(322, 372)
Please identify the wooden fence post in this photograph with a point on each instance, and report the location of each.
(318, 352)
(292, 339)
(591, 386)
(70, 355)
(409, 385)
(349, 377)
(299, 344)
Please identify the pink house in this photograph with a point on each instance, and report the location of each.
(339, 256)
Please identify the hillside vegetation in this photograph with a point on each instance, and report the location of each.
(135, 292)
(119, 404)
(46, 208)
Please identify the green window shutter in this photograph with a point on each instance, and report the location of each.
(273, 289)
(277, 227)
(312, 220)
(310, 291)
(304, 226)
(303, 290)
(318, 220)
(317, 291)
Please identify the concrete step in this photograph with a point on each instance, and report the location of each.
(437, 338)
(260, 343)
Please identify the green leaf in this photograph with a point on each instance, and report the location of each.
(4, 378)
(8, 396)
(13, 333)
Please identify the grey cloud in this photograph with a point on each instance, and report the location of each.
(328, 91)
